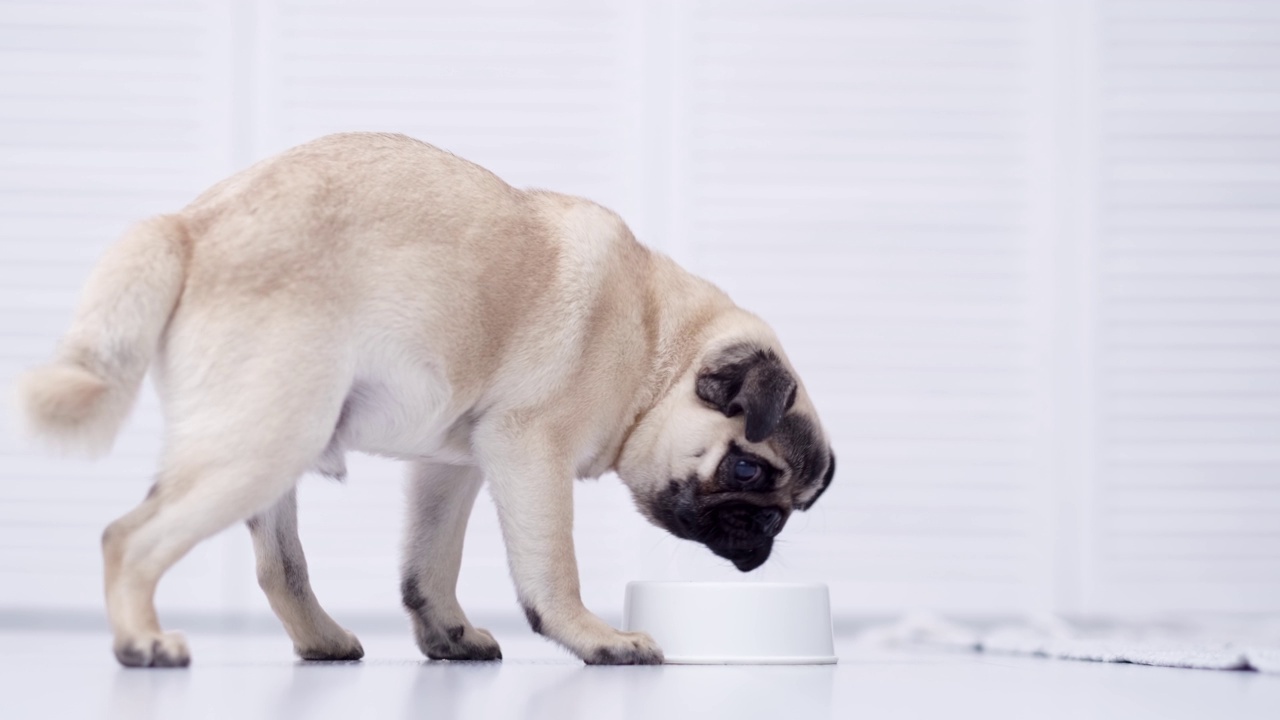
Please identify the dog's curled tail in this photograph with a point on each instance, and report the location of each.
(79, 401)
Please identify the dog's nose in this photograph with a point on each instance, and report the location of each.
(769, 521)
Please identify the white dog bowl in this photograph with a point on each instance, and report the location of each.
(734, 623)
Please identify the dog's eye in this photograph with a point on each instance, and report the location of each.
(746, 471)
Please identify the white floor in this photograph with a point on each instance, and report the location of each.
(73, 675)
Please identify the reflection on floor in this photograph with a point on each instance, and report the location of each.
(72, 675)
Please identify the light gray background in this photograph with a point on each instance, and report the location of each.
(1025, 254)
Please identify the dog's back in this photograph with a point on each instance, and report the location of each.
(343, 234)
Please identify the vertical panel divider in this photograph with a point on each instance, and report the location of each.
(662, 140)
(1071, 274)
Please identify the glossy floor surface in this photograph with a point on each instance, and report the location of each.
(72, 675)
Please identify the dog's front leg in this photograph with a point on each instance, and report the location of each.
(532, 486)
(440, 501)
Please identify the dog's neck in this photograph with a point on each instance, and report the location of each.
(679, 311)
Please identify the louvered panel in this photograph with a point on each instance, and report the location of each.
(543, 94)
(1188, 499)
(540, 93)
(110, 112)
(858, 173)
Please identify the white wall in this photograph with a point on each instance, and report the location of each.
(1025, 254)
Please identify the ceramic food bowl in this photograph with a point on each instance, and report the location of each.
(706, 623)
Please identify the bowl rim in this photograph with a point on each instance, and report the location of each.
(752, 660)
(701, 584)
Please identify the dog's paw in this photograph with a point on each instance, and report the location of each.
(153, 650)
(625, 648)
(341, 647)
(461, 642)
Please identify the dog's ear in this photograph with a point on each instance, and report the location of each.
(752, 381)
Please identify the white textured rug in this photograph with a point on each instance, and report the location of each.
(1222, 645)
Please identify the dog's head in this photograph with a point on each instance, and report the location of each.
(730, 452)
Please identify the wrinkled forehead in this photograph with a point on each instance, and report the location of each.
(800, 442)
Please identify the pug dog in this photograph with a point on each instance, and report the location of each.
(369, 292)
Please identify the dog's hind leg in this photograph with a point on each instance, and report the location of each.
(440, 502)
(246, 416)
(192, 500)
(282, 573)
